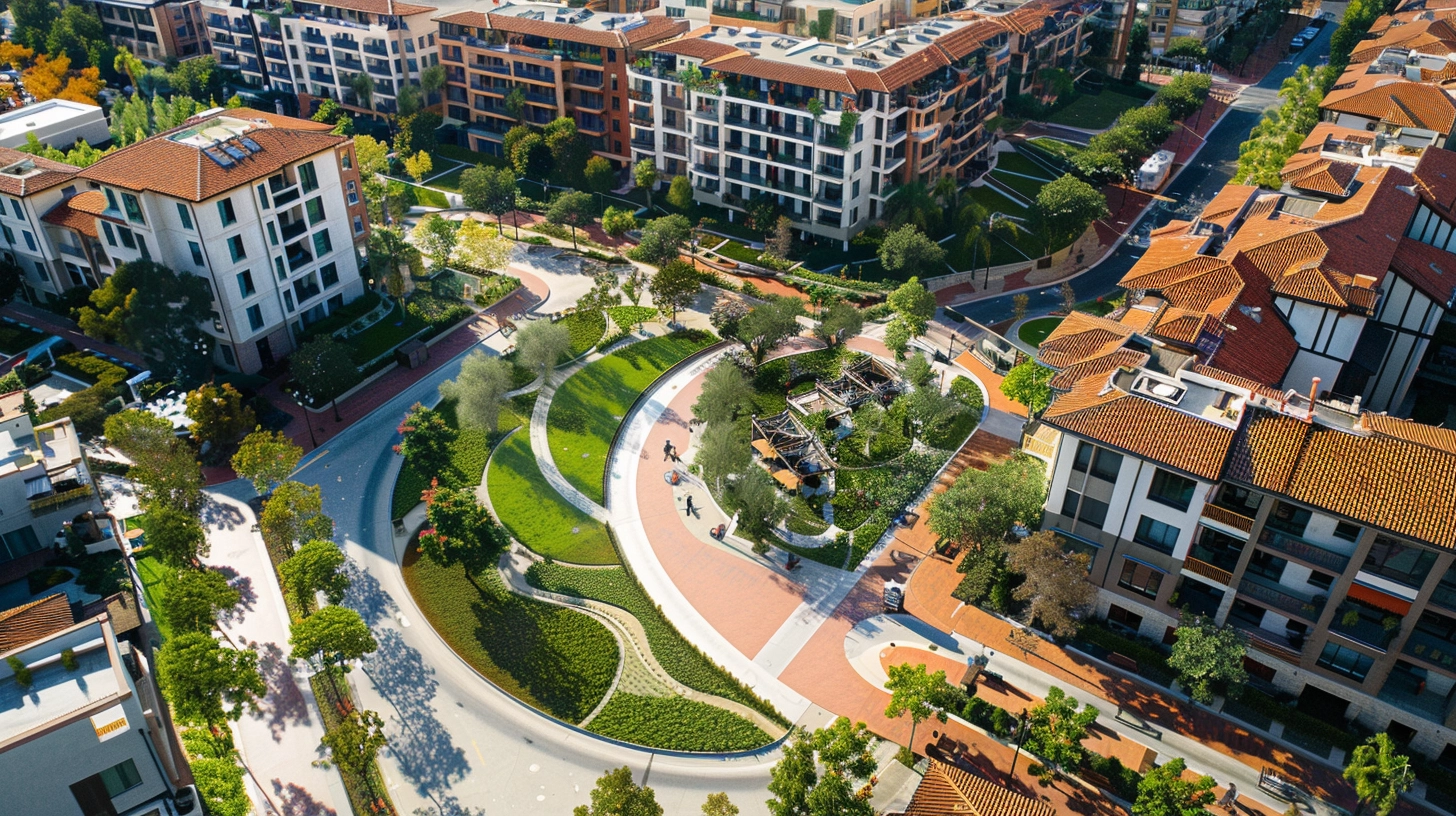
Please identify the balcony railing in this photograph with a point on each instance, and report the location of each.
(1434, 650)
(379, 69)
(1303, 550)
(706, 169)
(1227, 517)
(1362, 630)
(1270, 594)
(377, 49)
(292, 229)
(349, 63)
(1209, 571)
(640, 95)
(1271, 643)
(298, 258)
(319, 59)
(316, 39)
(830, 170)
(42, 503)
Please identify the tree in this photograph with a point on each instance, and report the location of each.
(324, 368)
(516, 105)
(436, 237)
(1152, 124)
(617, 221)
(389, 252)
(1379, 775)
(479, 390)
(174, 536)
(540, 344)
(330, 112)
(599, 175)
(723, 452)
(780, 244)
(1137, 49)
(1056, 586)
(334, 634)
(719, 805)
(680, 193)
(355, 741)
(196, 597)
(32, 21)
(769, 324)
(141, 435)
(661, 240)
(917, 371)
(1207, 657)
(725, 394)
(317, 566)
(426, 441)
(531, 157)
(913, 303)
(218, 414)
(756, 498)
(205, 682)
(477, 248)
(170, 478)
(1102, 166)
(1018, 307)
(1028, 384)
(616, 794)
(912, 691)
(913, 205)
(419, 166)
(362, 85)
(840, 322)
(372, 156)
(982, 506)
(572, 208)
(1186, 48)
(46, 76)
(793, 777)
(220, 785)
(1055, 729)
(907, 252)
(432, 79)
(645, 175)
(157, 312)
(1164, 792)
(675, 286)
(1063, 209)
(844, 747)
(84, 86)
(490, 190)
(461, 531)
(293, 514)
(569, 151)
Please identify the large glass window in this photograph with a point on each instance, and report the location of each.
(128, 238)
(1157, 535)
(329, 272)
(225, 212)
(1171, 489)
(308, 177)
(1083, 460)
(183, 214)
(1288, 518)
(235, 246)
(255, 317)
(18, 542)
(133, 208)
(110, 235)
(1348, 662)
(1094, 512)
(1140, 578)
(1399, 561)
(245, 283)
(121, 778)
(315, 207)
(321, 244)
(196, 253)
(1106, 465)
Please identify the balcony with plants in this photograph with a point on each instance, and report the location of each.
(1365, 624)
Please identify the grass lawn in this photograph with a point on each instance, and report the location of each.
(385, 335)
(676, 724)
(536, 514)
(1095, 111)
(431, 198)
(1014, 162)
(450, 181)
(555, 659)
(771, 380)
(1026, 186)
(154, 576)
(738, 252)
(590, 405)
(1056, 147)
(627, 317)
(995, 201)
(1032, 332)
(680, 658)
(468, 454)
(832, 554)
(468, 156)
(831, 255)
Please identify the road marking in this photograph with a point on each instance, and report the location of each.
(321, 454)
(478, 753)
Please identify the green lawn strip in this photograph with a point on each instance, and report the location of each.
(739, 252)
(590, 405)
(676, 724)
(536, 514)
(555, 659)
(586, 329)
(449, 181)
(626, 317)
(378, 339)
(831, 554)
(1014, 162)
(956, 432)
(680, 658)
(995, 201)
(154, 576)
(1021, 184)
(1056, 147)
(867, 536)
(1095, 111)
(1033, 332)
(469, 453)
(803, 519)
(431, 198)
(364, 790)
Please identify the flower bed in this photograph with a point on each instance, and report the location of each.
(586, 329)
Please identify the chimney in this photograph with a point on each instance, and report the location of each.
(1313, 395)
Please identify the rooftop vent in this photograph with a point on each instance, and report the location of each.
(867, 63)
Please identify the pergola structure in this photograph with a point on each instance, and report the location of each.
(791, 454)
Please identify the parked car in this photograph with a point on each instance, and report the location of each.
(1297, 43)
(1309, 33)
(185, 801)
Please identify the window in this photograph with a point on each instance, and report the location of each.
(1106, 465)
(128, 239)
(245, 283)
(142, 245)
(1348, 662)
(255, 317)
(1083, 459)
(1401, 562)
(308, 177)
(347, 159)
(353, 190)
(1157, 535)
(1094, 512)
(1124, 619)
(288, 300)
(278, 265)
(1171, 489)
(235, 245)
(227, 355)
(315, 208)
(15, 206)
(1140, 578)
(133, 208)
(330, 274)
(29, 239)
(1347, 531)
(183, 214)
(110, 203)
(18, 542)
(358, 224)
(1320, 580)
(272, 234)
(321, 244)
(1069, 503)
(105, 225)
(1288, 518)
(225, 212)
(263, 195)
(120, 778)
(196, 253)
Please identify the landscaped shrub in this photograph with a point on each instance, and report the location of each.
(613, 339)
(495, 287)
(858, 493)
(68, 659)
(1295, 720)
(89, 368)
(23, 676)
(539, 240)
(1122, 780)
(39, 580)
(676, 724)
(468, 454)
(15, 338)
(437, 311)
(871, 287)
(867, 535)
(1147, 655)
(535, 514)
(587, 327)
(626, 317)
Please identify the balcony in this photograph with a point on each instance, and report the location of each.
(923, 101)
(317, 59)
(830, 170)
(1365, 624)
(540, 98)
(379, 69)
(349, 63)
(298, 257)
(1271, 643)
(316, 39)
(345, 43)
(1209, 571)
(1228, 518)
(1302, 550)
(587, 79)
(642, 95)
(706, 169)
(704, 140)
(292, 229)
(41, 504)
(644, 142)
(377, 49)
(227, 58)
(836, 202)
(323, 77)
(305, 288)
(1279, 597)
(1405, 688)
(273, 52)
(545, 77)
(739, 175)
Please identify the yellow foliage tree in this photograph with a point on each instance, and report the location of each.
(14, 55)
(46, 77)
(418, 166)
(84, 87)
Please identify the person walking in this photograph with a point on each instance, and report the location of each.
(667, 451)
(691, 511)
(1229, 797)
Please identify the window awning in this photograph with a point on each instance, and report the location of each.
(38, 486)
(1379, 600)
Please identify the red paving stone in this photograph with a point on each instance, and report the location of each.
(992, 381)
(65, 329)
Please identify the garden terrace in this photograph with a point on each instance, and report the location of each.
(790, 453)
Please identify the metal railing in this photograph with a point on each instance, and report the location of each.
(1303, 550)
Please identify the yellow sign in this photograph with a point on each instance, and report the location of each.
(109, 723)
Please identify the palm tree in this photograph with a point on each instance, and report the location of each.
(914, 204)
(947, 192)
(363, 86)
(972, 221)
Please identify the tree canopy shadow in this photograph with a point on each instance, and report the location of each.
(420, 743)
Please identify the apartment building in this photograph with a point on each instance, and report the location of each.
(44, 482)
(1205, 20)
(155, 30)
(247, 43)
(909, 105)
(1117, 17)
(82, 741)
(851, 21)
(1044, 35)
(565, 61)
(266, 207)
(32, 187)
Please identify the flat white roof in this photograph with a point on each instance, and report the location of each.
(56, 693)
(41, 115)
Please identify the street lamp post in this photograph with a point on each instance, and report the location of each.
(1020, 738)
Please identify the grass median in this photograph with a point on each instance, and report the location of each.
(676, 724)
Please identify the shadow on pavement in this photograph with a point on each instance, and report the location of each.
(419, 742)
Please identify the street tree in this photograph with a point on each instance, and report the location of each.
(220, 785)
(174, 536)
(662, 240)
(841, 321)
(390, 258)
(419, 166)
(913, 691)
(757, 500)
(1056, 588)
(982, 506)
(436, 237)
(476, 247)
(798, 788)
(317, 566)
(1164, 791)
(1056, 729)
(1063, 209)
(844, 747)
(218, 414)
(426, 441)
(1029, 384)
(676, 284)
(491, 190)
(1185, 48)
(1068, 295)
(728, 312)
(780, 243)
(355, 741)
(1379, 774)
(333, 634)
(793, 777)
(726, 394)
(913, 306)
(1019, 304)
(540, 343)
(769, 324)
(461, 530)
(615, 794)
(723, 452)
(645, 175)
(156, 312)
(205, 682)
(172, 479)
(265, 458)
(718, 804)
(907, 252)
(141, 435)
(195, 598)
(324, 368)
(572, 208)
(479, 390)
(599, 175)
(618, 221)
(292, 515)
(680, 193)
(1207, 657)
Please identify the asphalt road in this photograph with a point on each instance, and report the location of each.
(1195, 185)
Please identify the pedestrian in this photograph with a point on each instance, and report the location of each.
(667, 451)
(674, 454)
(1229, 797)
(690, 508)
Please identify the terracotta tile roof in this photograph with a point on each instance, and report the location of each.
(30, 622)
(1442, 439)
(182, 171)
(1227, 203)
(946, 789)
(1431, 270)
(912, 67)
(1142, 427)
(1245, 383)
(1417, 35)
(963, 41)
(1407, 104)
(653, 30)
(278, 120)
(1435, 175)
(692, 44)
(1385, 480)
(1319, 175)
(1212, 291)
(1097, 367)
(1180, 325)
(67, 214)
(1257, 343)
(1169, 259)
(22, 181)
(1138, 319)
(775, 71)
(1081, 337)
(121, 611)
(1325, 131)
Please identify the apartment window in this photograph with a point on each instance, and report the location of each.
(15, 207)
(288, 300)
(263, 195)
(227, 355)
(321, 244)
(225, 212)
(110, 203)
(1122, 618)
(673, 11)
(330, 274)
(128, 239)
(278, 265)
(1171, 489)
(1348, 662)
(353, 190)
(308, 177)
(315, 208)
(1401, 562)
(196, 253)
(142, 245)
(105, 226)
(1288, 518)
(272, 234)
(346, 158)
(1083, 459)
(1157, 535)
(245, 283)
(358, 224)
(94, 793)
(16, 543)
(1141, 578)
(29, 239)
(1347, 531)
(183, 214)
(1106, 464)
(1094, 512)
(1070, 502)
(255, 317)
(133, 208)
(235, 246)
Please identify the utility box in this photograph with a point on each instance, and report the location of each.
(412, 354)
